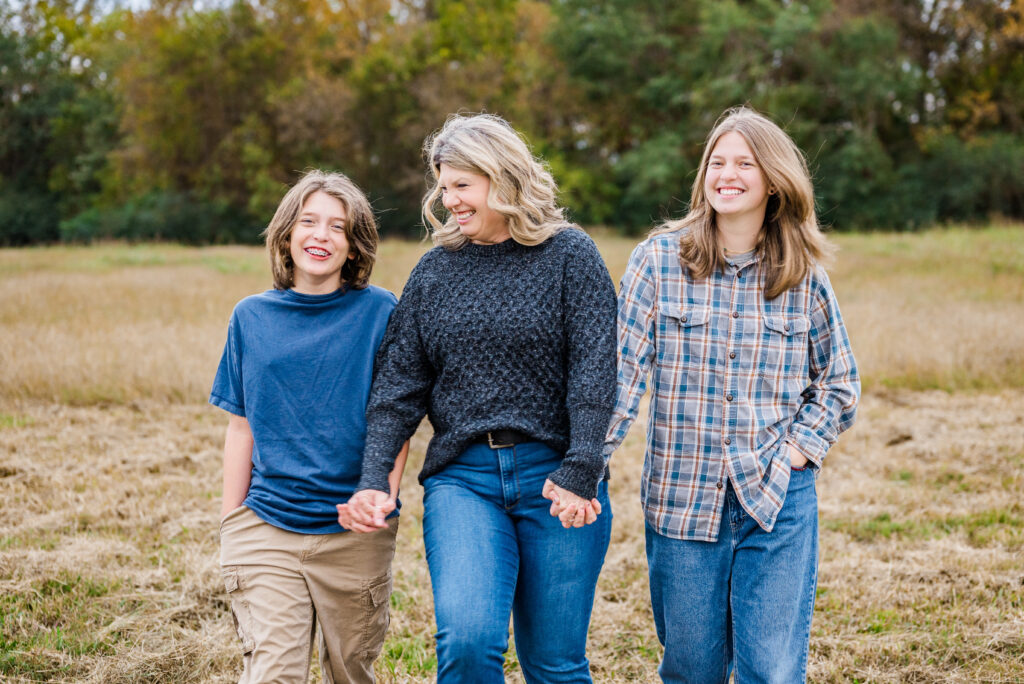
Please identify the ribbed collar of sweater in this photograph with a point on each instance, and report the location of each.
(509, 246)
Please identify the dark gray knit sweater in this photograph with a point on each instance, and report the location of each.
(492, 337)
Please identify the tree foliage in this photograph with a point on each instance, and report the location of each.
(187, 122)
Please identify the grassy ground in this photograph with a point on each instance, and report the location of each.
(110, 461)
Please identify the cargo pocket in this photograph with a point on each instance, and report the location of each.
(239, 608)
(375, 596)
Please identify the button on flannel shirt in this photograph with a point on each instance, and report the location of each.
(734, 378)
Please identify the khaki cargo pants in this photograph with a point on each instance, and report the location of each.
(283, 584)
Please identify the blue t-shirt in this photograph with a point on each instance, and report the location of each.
(299, 368)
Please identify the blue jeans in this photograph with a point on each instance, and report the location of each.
(744, 601)
(493, 550)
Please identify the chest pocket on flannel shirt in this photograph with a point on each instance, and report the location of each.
(783, 354)
(683, 337)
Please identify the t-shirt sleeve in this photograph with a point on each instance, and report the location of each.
(227, 392)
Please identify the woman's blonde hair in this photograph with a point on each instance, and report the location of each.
(790, 242)
(360, 228)
(522, 189)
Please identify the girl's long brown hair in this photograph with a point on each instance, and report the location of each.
(790, 242)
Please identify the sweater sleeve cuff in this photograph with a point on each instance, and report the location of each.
(378, 461)
(375, 481)
(584, 466)
(589, 425)
(580, 479)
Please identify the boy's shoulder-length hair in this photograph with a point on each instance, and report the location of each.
(522, 188)
(791, 242)
(360, 228)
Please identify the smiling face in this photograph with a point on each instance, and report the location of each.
(464, 194)
(318, 245)
(734, 184)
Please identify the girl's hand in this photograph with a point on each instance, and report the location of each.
(570, 509)
(796, 459)
(365, 511)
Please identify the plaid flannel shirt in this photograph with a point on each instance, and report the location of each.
(734, 379)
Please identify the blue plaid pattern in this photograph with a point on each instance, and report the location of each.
(734, 378)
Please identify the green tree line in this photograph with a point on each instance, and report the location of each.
(185, 122)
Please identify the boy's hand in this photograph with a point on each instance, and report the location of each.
(344, 516)
(366, 511)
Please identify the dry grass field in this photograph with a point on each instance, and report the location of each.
(110, 472)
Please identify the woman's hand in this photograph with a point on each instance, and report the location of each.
(570, 509)
(365, 511)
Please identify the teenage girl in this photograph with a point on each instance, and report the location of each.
(295, 378)
(730, 314)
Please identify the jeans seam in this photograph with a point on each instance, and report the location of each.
(515, 470)
(509, 505)
(736, 510)
(809, 610)
(808, 618)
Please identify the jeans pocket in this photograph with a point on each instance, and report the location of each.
(376, 616)
(240, 612)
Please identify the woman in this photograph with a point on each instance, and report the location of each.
(504, 338)
(731, 315)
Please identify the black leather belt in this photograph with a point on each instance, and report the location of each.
(503, 439)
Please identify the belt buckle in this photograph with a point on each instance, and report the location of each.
(490, 443)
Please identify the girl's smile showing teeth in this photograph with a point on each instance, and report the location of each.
(317, 252)
(734, 184)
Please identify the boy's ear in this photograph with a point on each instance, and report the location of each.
(352, 254)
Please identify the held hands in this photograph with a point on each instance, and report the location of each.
(365, 511)
(570, 509)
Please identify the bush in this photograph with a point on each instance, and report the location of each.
(656, 178)
(977, 178)
(173, 216)
(27, 218)
(947, 180)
